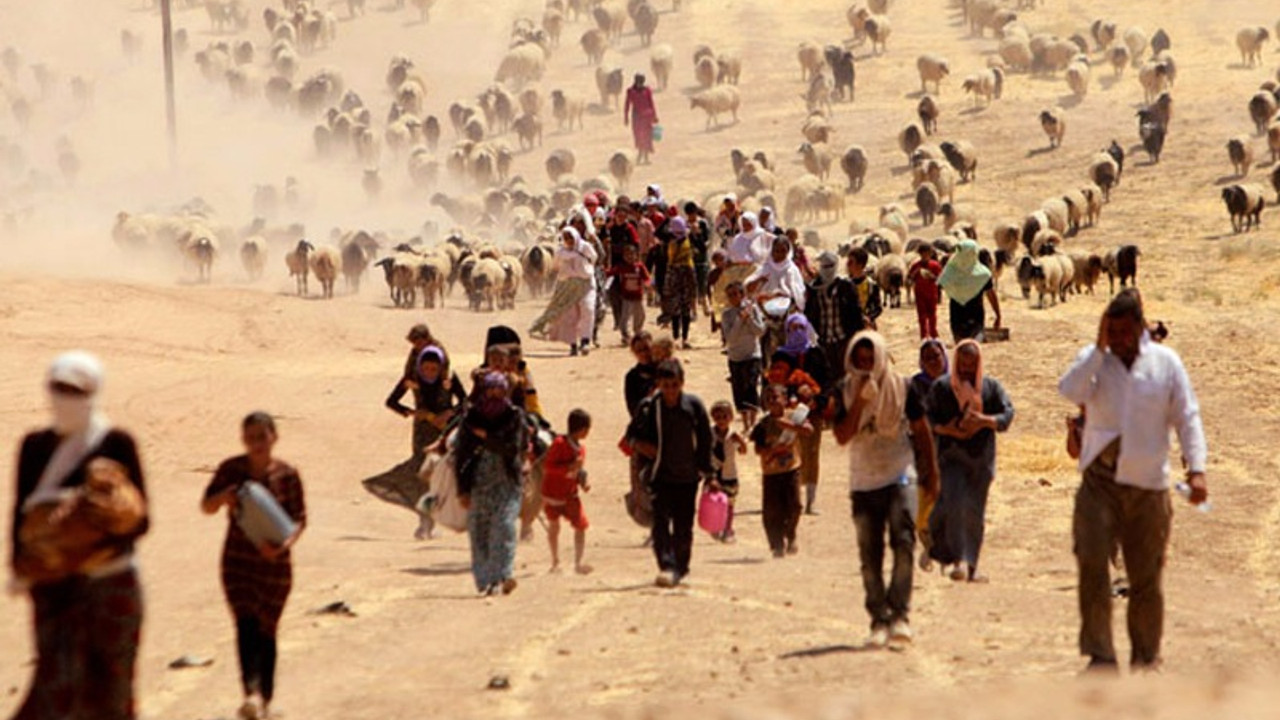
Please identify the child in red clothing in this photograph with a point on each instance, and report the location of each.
(923, 276)
(632, 277)
(562, 476)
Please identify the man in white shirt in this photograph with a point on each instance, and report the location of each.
(1133, 391)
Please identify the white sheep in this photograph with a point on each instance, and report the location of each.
(954, 215)
(894, 220)
(962, 156)
(560, 163)
(325, 263)
(133, 233)
(1154, 77)
(1055, 209)
(704, 71)
(817, 158)
(1078, 78)
(986, 85)
(594, 43)
(1119, 57)
(878, 30)
(1249, 40)
(1077, 209)
(609, 85)
(522, 65)
(567, 110)
(200, 248)
(486, 282)
(728, 68)
(716, 101)
(1093, 203)
(810, 57)
(932, 68)
(660, 61)
(253, 256)
(1104, 172)
(1015, 52)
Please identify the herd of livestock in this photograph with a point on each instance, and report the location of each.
(503, 223)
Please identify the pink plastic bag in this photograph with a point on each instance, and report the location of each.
(713, 512)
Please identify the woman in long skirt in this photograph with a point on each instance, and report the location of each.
(492, 445)
(570, 316)
(88, 615)
(966, 410)
(680, 293)
(642, 114)
(256, 578)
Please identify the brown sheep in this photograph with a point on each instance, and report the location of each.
(1241, 154)
(1054, 125)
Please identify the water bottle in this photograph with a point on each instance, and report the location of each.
(1184, 490)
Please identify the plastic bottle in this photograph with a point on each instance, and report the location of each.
(1184, 490)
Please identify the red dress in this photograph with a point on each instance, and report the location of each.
(643, 113)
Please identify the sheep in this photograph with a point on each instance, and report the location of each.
(1160, 111)
(1032, 225)
(621, 167)
(529, 131)
(817, 98)
(728, 69)
(894, 220)
(567, 110)
(797, 199)
(1028, 267)
(854, 164)
(200, 248)
(715, 102)
(609, 84)
(1056, 277)
(401, 271)
(1159, 42)
(1058, 214)
(1245, 204)
(1249, 40)
(891, 276)
(325, 263)
(355, 254)
(817, 158)
(1015, 52)
(299, 267)
(560, 162)
(253, 256)
(553, 23)
(1104, 33)
(1262, 108)
(932, 68)
(704, 72)
(1154, 76)
(1273, 141)
(1152, 135)
(954, 216)
(522, 65)
(1135, 39)
(1093, 203)
(842, 71)
(1275, 182)
(510, 287)
(1241, 154)
(1121, 263)
(487, 279)
(1119, 57)
(611, 19)
(826, 201)
(962, 156)
(878, 29)
(594, 43)
(910, 138)
(1057, 55)
(1078, 78)
(816, 128)
(660, 61)
(1170, 67)
(1054, 126)
(537, 263)
(942, 177)
(132, 232)
(1087, 271)
(927, 203)
(986, 85)
(1006, 237)
(928, 112)
(1077, 209)
(810, 58)
(432, 276)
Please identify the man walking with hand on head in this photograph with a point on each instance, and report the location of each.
(1133, 391)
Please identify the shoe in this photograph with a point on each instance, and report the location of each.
(509, 586)
(792, 547)
(779, 553)
(685, 345)
(586, 347)
(665, 579)
(900, 632)
(250, 710)
(1101, 666)
(925, 562)
(879, 636)
(811, 511)
(573, 351)
(958, 573)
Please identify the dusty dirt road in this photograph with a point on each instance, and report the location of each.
(186, 362)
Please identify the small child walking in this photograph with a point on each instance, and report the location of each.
(923, 277)
(632, 278)
(562, 476)
(726, 446)
(741, 327)
(776, 438)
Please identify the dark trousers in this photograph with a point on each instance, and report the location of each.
(1107, 513)
(835, 352)
(874, 512)
(674, 507)
(680, 323)
(780, 509)
(87, 634)
(257, 648)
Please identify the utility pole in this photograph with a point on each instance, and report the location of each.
(166, 19)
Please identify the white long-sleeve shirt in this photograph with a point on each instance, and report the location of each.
(577, 263)
(1138, 405)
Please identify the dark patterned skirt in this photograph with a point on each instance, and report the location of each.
(680, 294)
(87, 633)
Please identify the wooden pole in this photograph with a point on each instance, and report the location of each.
(166, 18)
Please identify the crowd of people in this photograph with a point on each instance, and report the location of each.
(803, 357)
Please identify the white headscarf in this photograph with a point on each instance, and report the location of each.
(744, 247)
(781, 276)
(884, 391)
(772, 225)
(76, 419)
